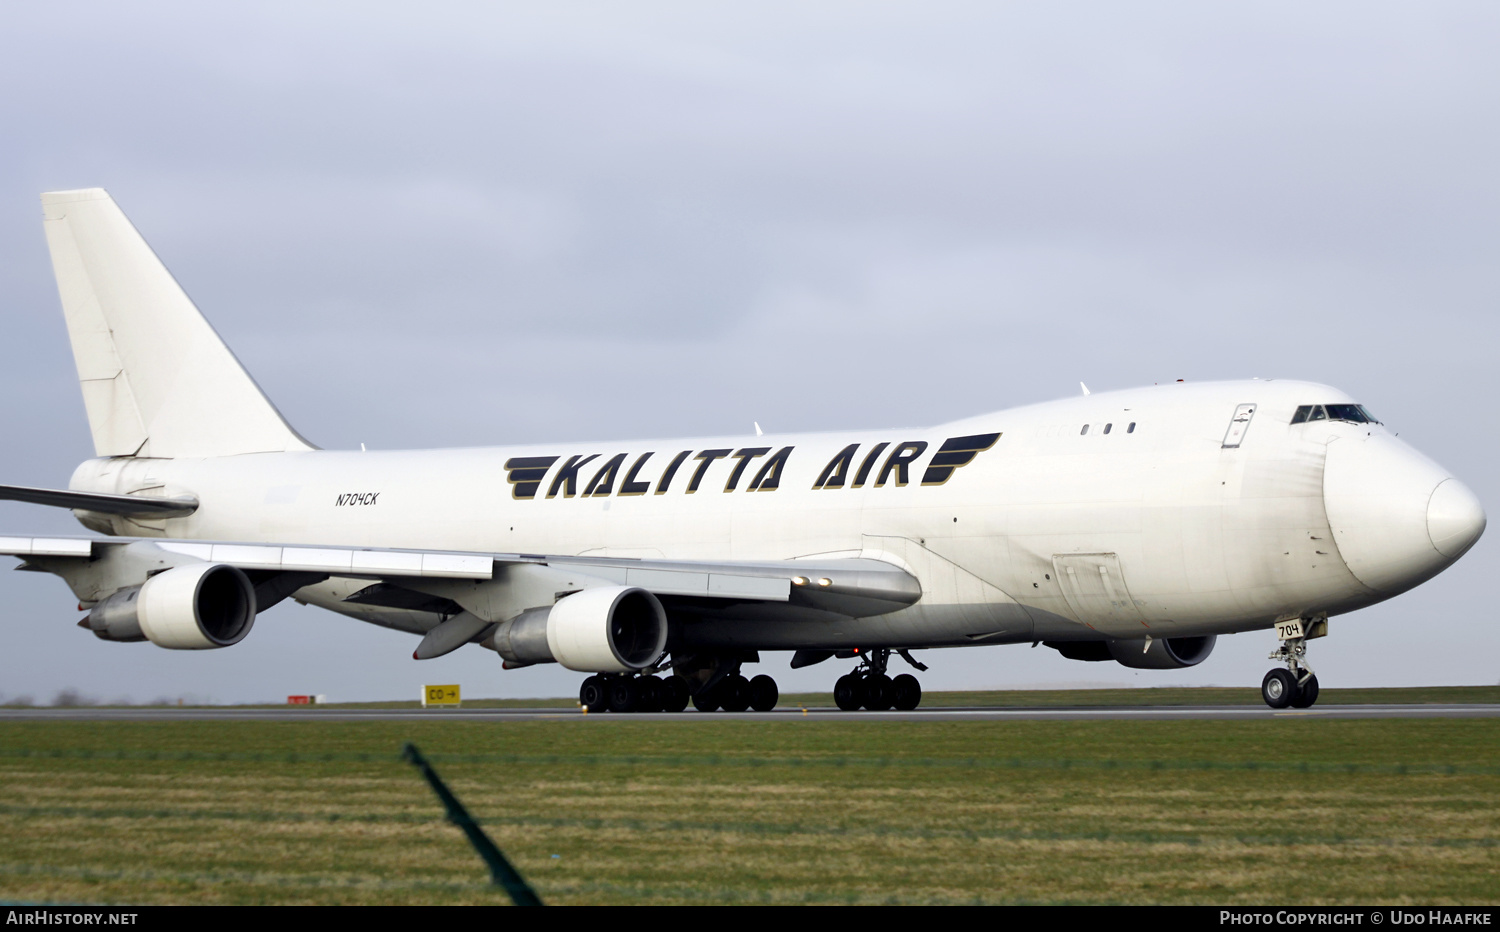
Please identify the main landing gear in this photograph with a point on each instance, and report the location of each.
(734, 693)
(868, 686)
(631, 692)
(1297, 685)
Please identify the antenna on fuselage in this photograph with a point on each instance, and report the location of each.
(1084, 387)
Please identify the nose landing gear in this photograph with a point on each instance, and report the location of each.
(868, 686)
(1297, 685)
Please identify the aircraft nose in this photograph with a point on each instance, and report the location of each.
(1397, 517)
(1455, 519)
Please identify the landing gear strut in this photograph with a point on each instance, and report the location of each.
(1297, 685)
(715, 681)
(869, 687)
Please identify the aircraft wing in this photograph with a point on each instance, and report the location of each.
(848, 586)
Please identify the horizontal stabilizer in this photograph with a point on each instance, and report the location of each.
(138, 506)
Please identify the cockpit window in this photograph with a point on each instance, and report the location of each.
(1348, 413)
(1354, 413)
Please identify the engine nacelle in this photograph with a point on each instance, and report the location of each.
(610, 629)
(196, 607)
(1164, 653)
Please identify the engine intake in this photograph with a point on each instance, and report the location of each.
(197, 607)
(609, 629)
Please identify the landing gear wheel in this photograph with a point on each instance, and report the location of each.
(1297, 685)
(878, 689)
(906, 692)
(763, 693)
(707, 700)
(649, 694)
(674, 694)
(847, 694)
(592, 694)
(734, 693)
(624, 694)
(1307, 693)
(1279, 689)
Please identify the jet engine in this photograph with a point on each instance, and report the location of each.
(1163, 653)
(609, 629)
(196, 607)
(1160, 654)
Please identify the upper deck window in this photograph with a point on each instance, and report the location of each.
(1354, 413)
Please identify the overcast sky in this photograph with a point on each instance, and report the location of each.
(470, 224)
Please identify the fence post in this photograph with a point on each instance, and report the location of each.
(500, 870)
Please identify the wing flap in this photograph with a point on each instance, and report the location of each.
(710, 580)
(46, 546)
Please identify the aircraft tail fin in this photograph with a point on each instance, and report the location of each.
(156, 379)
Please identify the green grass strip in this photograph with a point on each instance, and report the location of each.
(770, 829)
(711, 894)
(253, 878)
(736, 761)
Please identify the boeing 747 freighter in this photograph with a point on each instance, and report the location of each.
(1130, 526)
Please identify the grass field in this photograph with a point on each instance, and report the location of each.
(602, 810)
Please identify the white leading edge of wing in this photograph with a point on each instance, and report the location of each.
(766, 582)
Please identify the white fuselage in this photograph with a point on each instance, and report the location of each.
(1119, 514)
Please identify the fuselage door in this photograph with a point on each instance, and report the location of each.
(1238, 425)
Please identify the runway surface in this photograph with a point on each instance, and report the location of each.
(794, 713)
